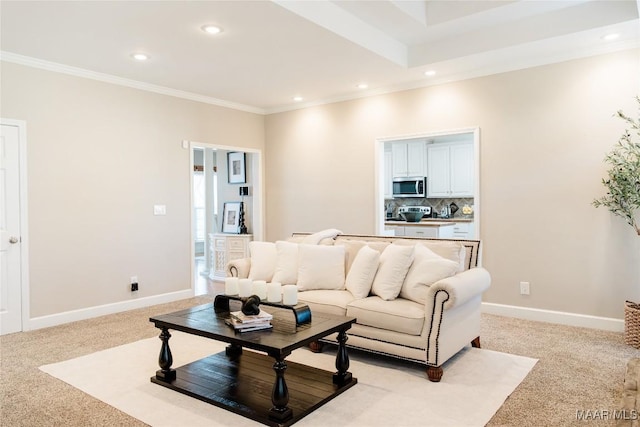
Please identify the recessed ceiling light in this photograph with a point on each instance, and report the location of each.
(211, 29)
(140, 56)
(430, 73)
(362, 86)
(298, 98)
(610, 37)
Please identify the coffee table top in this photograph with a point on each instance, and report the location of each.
(202, 320)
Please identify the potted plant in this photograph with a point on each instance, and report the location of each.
(623, 199)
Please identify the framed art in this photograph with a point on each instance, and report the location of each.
(236, 167)
(231, 217)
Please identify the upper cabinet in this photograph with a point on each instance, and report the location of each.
(408, 158)
(388, 173)
(450, 170)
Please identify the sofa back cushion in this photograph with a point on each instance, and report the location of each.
(263, 260)
(362, 272)
(426, 269)
(467, 249)
(320, 267)
(395, 261)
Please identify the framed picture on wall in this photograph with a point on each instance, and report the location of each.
(236, 168)
(231, 217)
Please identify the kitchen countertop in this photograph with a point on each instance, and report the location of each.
(431, 222)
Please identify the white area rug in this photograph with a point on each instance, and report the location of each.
(389, 393)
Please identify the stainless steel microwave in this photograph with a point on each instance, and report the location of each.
(412, 186)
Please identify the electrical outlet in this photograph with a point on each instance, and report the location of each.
(134, 283)
(524, 288)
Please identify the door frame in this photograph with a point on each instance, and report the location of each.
(257, 214)
(24, 216)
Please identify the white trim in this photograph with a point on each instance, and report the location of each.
(107, 78)
(101, 310)
(550, 316)
(24, 218)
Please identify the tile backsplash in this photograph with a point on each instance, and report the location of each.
(391, 205)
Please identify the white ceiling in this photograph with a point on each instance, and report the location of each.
(271, 51)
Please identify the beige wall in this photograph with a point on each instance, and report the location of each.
(99, 157)
(543, 135)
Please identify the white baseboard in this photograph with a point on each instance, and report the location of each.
(550, 316)
(101, 310)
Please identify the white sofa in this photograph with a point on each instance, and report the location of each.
(434, 314)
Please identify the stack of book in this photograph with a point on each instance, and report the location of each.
(246, 323)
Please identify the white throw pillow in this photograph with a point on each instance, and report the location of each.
(320, 267)
(455, 251)
(362, 272)
(321, 236)
(263, 260)
(352, 247)
(427, 268)
(286, 271)
(395, 261)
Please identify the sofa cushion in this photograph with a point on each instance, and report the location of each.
(320, 267)
(395, 261)
(400, 315)
(455, 251)
(426, 269)
(329, 302)
(286, 270)
(352, 247)
(362, 272)
(263, 260)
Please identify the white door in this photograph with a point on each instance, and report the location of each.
(10, 258)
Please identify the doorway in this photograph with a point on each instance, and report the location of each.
(210, 189)
(385, 164)
(14, 278)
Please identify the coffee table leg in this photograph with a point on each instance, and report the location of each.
(233, 351)
(280, 394)
(342, 361)
(165, 360)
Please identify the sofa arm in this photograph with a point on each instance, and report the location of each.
(460, 288)
(238, 268)
(451, 295)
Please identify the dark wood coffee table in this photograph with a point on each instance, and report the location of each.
(243, 382)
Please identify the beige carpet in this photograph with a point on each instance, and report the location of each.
(475, 385)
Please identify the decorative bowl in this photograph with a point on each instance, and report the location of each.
(412, 216)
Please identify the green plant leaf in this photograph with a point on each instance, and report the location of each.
(623, 177)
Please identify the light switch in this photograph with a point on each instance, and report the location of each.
(159, 209)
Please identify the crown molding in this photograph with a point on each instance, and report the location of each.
(108, 78)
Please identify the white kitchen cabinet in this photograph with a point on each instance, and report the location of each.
(435, 232)
(224, 248)
(408, 158)
(397, 230)
(388, 173)
(450, 170)
(464, 230)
